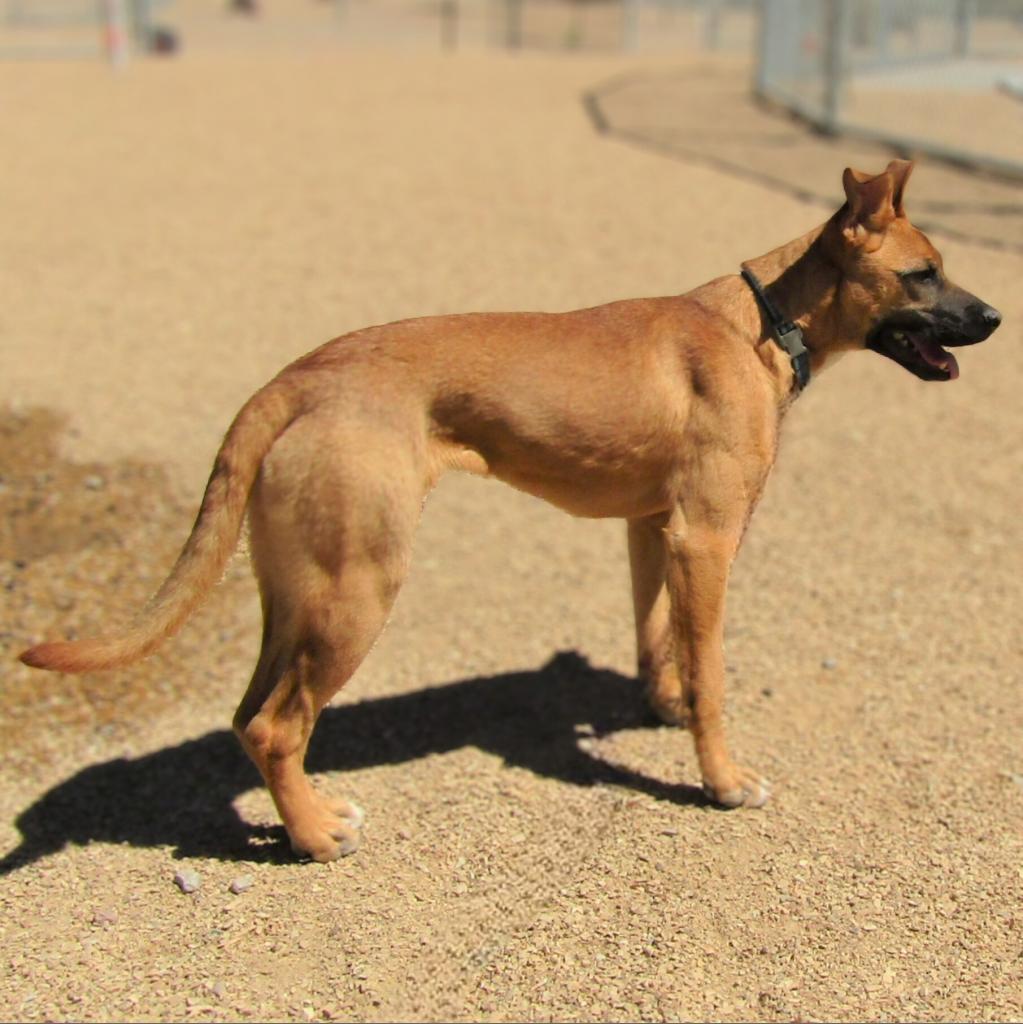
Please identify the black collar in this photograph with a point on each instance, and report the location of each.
(786, 333)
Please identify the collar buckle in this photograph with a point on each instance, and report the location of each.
(788, 336)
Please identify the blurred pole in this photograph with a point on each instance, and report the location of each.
(835, 60)
(965, 11)
(115, 32)
(884, 30)
(761, 75)
(712, 24)
(449, 24)
(513, 24)
(141, 24)
(630, 24)
(913, 12)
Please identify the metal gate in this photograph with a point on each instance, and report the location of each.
(814, 56)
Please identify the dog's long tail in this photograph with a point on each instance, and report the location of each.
(206, 552)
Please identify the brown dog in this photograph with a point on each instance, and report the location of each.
(664, 412)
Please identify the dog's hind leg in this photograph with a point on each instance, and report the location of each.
(331, 539)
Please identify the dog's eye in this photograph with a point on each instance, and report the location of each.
(926, 275)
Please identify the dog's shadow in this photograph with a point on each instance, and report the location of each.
(182, 796)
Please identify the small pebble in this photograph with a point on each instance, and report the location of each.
(829, 663)
(241, 884)
(103, 916)
(188, 881)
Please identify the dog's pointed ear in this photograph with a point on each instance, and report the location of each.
(900, 170)
(870, 206)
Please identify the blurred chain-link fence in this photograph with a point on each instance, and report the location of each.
(923, 76)
(69, 29)
(937, 77)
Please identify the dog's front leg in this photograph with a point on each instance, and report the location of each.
(655, 656)
(699, 550)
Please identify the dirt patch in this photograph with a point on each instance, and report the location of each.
(82, 546)
(52, 506)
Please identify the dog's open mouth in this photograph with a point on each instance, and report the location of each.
(915, 349)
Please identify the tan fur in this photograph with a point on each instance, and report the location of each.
(664, 412)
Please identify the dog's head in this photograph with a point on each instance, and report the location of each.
(892, 273)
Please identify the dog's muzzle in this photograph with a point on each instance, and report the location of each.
(917, 339)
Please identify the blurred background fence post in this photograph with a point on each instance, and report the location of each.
(513, 23)
(115, 32)
(712, 13)
(838, 19)
(449, 24)
(965, 10)
(631, 10)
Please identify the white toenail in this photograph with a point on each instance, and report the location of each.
(356, 815)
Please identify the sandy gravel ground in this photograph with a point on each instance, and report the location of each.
(535, 848)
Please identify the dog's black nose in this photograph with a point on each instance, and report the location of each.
(991, 317)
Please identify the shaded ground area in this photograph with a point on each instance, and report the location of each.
(534, 848)
(706, 113)
(565, 708)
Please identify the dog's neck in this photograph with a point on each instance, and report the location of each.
(803, 282)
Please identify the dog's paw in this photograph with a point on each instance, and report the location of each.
(737, 787)
(326, 844)
(332, 833)
(664, 695)
(347, 809)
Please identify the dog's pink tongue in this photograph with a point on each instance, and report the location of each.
(937, 356)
